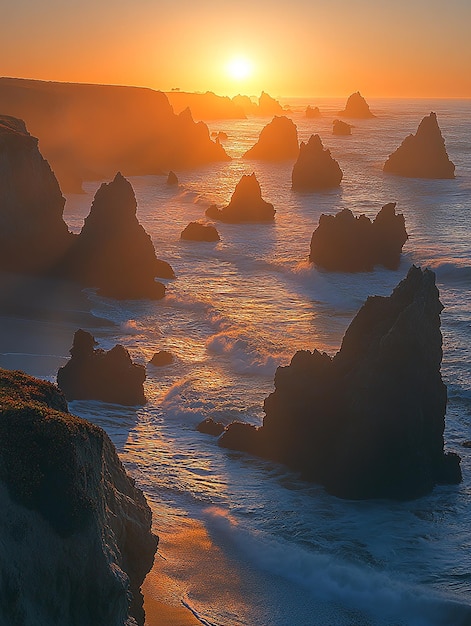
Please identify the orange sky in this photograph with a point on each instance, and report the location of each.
(403, 48)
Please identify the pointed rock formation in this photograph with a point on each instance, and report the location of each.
(422, 155)
(33, 234)
(369, 422)
(195, 231)
(246, 205)
(315, 167)
(113, 251)
(356, 107)
(341, 128)
(312, 112)
(278, 141)
(93, 374)
(345, 243)
(268, 106)
(246, 104)
(162, 358)
(172, 178)
(76, 531)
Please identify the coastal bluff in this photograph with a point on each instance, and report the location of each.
(76, 531)
(369, 421)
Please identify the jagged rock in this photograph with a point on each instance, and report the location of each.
(312, 112)
(94, 374)
(33, 234)
(315, 167)
(356, 107)
(161, 358)
(113, 252)
(341, 128)
(246, 205)
(422, 155)
(246, 104)
(268, 105)
(172, 178)
(205, 106)
(369, 422)
(278, 141)
(76, 532)
(345, 243)
(220, 136)
(195, 231)
(209, 427)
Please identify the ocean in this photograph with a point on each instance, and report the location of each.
(273, 550)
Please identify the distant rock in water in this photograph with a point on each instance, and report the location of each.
(94, 374)
(356, 107)
(312, 112)
(369, 422)
(195, 231)
(246, 104)
(113, 251)
(33, 234)
(220, 136)
(315, 167)
(341, 128)
(210, 427)
(268, 105)
(76, 531)
(345, 243)
(278, 141)
(246, 205)
(161, 358)
(172, 178)
(422, 155)
(205, 106)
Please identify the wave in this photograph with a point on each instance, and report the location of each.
(245, 357)
(452, 271)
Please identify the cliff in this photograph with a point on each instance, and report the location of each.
(357, 107)
(422, 155)
(205, 106)
(278, 141)
(246, 205)
(369, 422)
(315, 168)
(76, 532)
(345, 243)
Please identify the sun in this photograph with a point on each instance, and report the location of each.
(239, 68)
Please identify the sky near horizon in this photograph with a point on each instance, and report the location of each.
(386, 48)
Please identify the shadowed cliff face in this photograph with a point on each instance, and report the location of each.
(76, 532)
(369, 422)
(246, 205)
(278, 141)
(33, 235)
(315, 168)
(422, 155)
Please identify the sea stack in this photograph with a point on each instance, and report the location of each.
(33, 234)
(246, 205)
(113, 252)
(76, 531)
(368, 422)
(422, 155)
(341, 128)
(172, 179)
(94, 374)
(268, 105)
(356, 107)
(315, 168)
(312, 112)
(195, 231)
(345, 243)
(278, 141)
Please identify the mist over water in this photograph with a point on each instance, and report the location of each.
(243, 306)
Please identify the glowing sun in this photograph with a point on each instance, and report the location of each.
(239, 68)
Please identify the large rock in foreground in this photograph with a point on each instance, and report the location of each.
(246, 205)
(369, 422)
(345, 243)
(356, 107)
(76, 532)
(422, 155)
(93, 374)
(278, 141)
(315, 167)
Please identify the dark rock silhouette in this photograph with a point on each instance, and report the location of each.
(93, 374)
(312, 112)
(161, 358)
(33, 234)
(205, 106)
(78, 129)
(268, 106)
(369, 422)
(422, 155)
(315, 167)
(195, 231)
(76, 531)
(345, 243)
(246, 205)
(172, 178)
(341, 128)
(220, 136)
(113, 251)
(278, 141)
(356, 107)
(209, 427)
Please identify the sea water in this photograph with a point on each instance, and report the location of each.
(292, 554)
